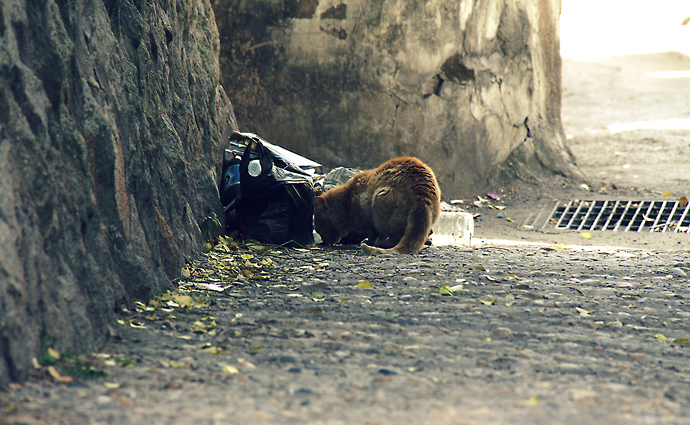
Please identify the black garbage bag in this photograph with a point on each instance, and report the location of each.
(266, 196)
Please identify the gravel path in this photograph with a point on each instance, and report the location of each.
(544, 334)
(540, 335)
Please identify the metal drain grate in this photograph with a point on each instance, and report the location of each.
(624, 216)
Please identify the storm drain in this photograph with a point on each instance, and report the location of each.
(624, 216)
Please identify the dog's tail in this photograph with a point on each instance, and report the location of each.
(421, 217)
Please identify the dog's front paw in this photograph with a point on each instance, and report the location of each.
(369, 250)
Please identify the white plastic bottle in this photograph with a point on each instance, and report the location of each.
(453, 228)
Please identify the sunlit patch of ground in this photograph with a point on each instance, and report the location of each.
(626, 91)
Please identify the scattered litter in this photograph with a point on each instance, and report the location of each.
(484, 201)
(335, 177)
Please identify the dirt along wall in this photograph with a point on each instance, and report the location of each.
(470, 87)
(111, 123)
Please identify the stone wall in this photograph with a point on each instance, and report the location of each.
(472, 87)
(112, 120)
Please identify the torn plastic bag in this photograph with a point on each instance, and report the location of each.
(275, 201)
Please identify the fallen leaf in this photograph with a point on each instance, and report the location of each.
(186, 273)
(176, 364)
(317, 310)
(586, 235)
(364, 284)
(583, 312)
(184, 301)
(683, 201)
(681, 341)
(510, 300)
(111, 385)
(457, 287)
(510, 220)
(660, 337)
(491, 302)
(480, 268)
(54, 354)
(57, 377)
(137, 324)
(246, 256)
(230, 370)
(199, 327)
(665, 193)
(445, 290)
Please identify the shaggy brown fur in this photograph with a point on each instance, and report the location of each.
(395, 205)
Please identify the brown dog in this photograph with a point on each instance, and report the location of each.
(395, 205)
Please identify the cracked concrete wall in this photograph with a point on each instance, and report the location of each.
(471, 87)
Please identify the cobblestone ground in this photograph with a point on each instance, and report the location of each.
(526, 335)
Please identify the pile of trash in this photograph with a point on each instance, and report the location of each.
(267, 193)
